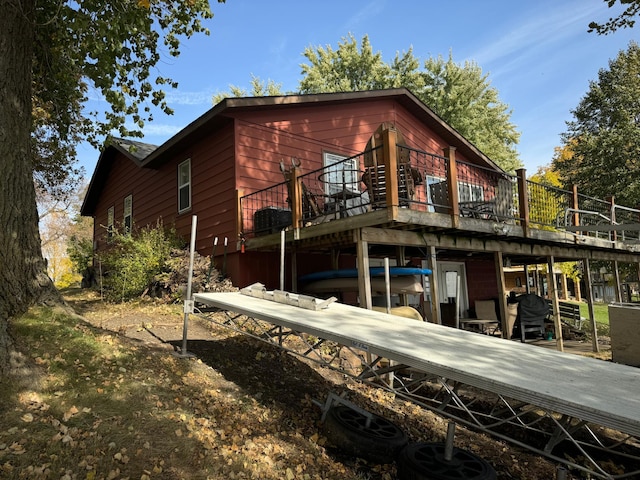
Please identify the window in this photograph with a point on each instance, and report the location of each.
(184, 186)
(128, 209)
(437, 192)
(341, 173)
(110, 221)
(468, 192)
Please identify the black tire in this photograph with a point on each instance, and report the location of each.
(379, 442)
(425, 461)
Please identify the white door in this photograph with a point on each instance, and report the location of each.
(452, 284)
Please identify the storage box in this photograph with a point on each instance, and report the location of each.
(624, 324)
(271, 220)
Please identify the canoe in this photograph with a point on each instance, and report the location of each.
(399, 284)
(353, 273)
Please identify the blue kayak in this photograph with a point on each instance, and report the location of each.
(353, 273)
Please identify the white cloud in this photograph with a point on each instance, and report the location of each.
(543, 28)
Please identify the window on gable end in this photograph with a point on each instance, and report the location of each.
(184, 186)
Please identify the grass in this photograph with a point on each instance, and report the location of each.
(600, 311)
(92, 406)
(84, 403)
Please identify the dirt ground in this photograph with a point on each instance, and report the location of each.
(286, 380)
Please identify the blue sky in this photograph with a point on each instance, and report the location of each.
(537, 54)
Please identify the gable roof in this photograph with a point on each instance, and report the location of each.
(150, 156)
(134, 150)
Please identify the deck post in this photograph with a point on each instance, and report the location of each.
(589, 293)
(502, 295)
(296, 202)
(401, 260)
(576, 207)
(452, 185)
(553, 293)
(612, 215)
(523, 200)
(390, 155)
(364, 279)
(433, 285)
(616, 281)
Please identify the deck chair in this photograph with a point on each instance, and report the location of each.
(532, 312)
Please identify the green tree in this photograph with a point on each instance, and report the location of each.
(604, 135)
(52, 52)
(461, 94)
(624, 20)
(258, 89)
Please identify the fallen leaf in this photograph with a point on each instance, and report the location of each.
(27, 417)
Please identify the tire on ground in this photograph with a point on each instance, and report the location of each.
(379, 442)
(425, 461)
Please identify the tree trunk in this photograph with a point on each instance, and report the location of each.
(23, 278)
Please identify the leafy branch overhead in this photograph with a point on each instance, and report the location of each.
(625, 20)
(81, 52)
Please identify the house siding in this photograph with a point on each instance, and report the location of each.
(244, 156)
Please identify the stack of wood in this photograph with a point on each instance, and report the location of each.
(172, 283)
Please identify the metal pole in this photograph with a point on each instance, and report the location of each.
(188, 302)
(387, 284)
(282, 234)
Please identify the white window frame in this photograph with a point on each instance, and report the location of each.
(470, 192)
(184, 183)
(110, 222)
(467, 192)
(340, 175)
(127, 214)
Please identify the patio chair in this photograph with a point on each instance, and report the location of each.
(532, 312)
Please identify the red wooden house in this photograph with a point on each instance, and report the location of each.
(367, 175)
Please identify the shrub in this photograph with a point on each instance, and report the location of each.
(132, 260)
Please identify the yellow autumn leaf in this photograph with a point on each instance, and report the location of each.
(70, 413)
(27, 417)
(144, 3)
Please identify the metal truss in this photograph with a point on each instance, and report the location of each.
(569, 441)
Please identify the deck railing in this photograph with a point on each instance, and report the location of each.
(547, 204)
(427, 182)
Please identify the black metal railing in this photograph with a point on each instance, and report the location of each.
(547, 204)
(266, 211)
(358, 184)
(486, 194)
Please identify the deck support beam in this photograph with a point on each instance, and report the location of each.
(589, 293)
(502, 294)
(553, 294)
